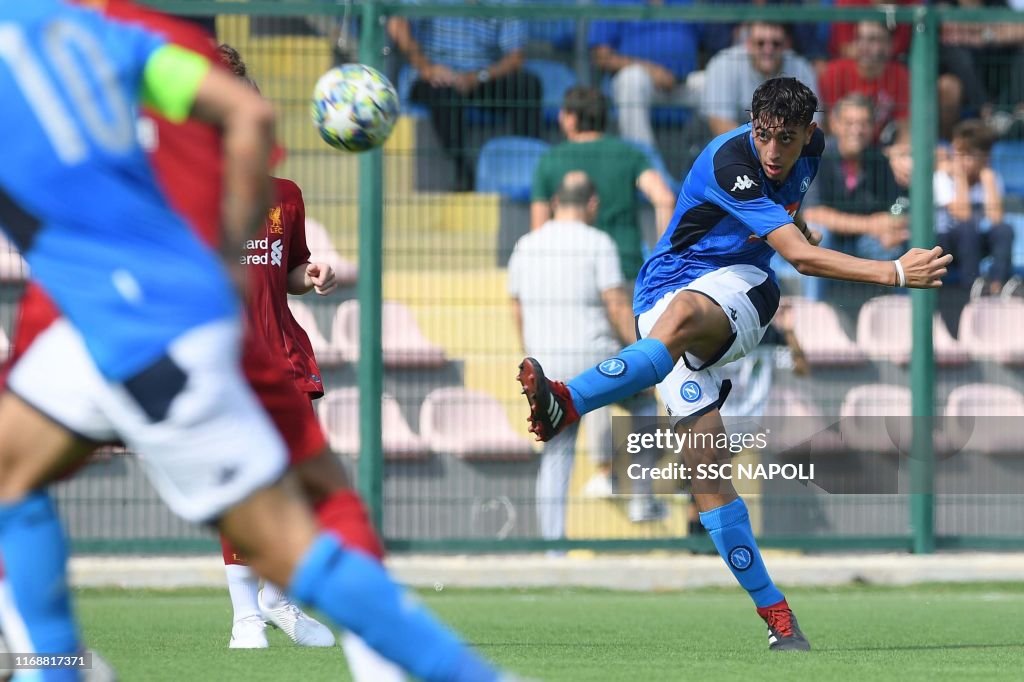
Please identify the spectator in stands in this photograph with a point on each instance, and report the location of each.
(854, 200)
(844, 34)
(808, 39)
(733, 74)
(854, 193)
(463, 61)
(969, 201)
(616, 168)
(649, 62)
(987, 58)
(572, 309)
(872, 72)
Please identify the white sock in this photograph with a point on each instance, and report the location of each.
(365, 664)
(243, 586)
(273, 596)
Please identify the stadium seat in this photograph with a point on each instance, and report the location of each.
(339, 415)
(981, 411)
(861, 416)
(321, 250)
(470, 425)
(13, 267)
(1016, 221)
(559, 34)
(1008, 161)
(555, 79)
(404, 345)
(884, 333)
(506, 166)
(796, 421)
(990, 329)
(821, 335)
(326, 355)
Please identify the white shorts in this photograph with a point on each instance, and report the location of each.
(200, 434)
(750, 299)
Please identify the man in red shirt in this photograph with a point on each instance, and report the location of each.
(188, 163)
(872, 71)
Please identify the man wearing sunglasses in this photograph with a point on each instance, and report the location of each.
(733, 74)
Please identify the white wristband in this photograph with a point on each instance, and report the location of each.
(901, 277)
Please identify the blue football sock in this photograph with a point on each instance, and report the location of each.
(729, 528)
(358, 594)
(634, 369)
(35, 557)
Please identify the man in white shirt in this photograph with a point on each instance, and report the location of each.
(572, 310)
(733, 74)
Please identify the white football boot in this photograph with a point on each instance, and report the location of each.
(248, 633)
(302, 629)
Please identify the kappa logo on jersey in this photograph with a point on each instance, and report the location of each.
(743, 182)
(612, 367)
(276, 251)
(741, 558)
(274, 219)
(690, 391)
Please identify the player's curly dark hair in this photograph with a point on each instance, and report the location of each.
(783, 101)
(230, 58)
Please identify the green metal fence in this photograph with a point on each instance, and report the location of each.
(442, 254)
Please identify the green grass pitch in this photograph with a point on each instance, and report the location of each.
(928, 633)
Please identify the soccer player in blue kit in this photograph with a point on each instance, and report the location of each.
(149, 350)
(705, 297)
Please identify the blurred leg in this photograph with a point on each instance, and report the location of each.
(553, 482)
(633, 91)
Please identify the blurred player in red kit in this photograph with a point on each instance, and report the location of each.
(277, 356)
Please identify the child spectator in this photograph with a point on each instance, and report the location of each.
(969, 210)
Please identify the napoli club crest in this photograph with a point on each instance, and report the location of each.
(690, 391)
(741, 558)
(612, 367)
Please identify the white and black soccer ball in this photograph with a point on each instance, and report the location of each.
(354, 107)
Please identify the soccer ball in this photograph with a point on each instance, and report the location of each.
(354, 107)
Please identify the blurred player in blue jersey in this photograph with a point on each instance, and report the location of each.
(149, 347)
(705, 297)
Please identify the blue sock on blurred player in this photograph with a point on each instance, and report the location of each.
(729, 528)
(358, 594)
(35, 557)
(636, 368)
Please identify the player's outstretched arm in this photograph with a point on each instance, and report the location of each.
(921, 268)
(248, 124)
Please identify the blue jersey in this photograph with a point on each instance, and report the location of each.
(725, 210)
(77, 195)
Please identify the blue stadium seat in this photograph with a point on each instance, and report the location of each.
(1016, 221)
(555, 79)
(1008, 160)
(559, 34)
(506, 166)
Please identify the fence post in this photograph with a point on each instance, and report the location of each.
(923, 105)
(370, 372)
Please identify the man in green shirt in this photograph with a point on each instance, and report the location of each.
(616, 168)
